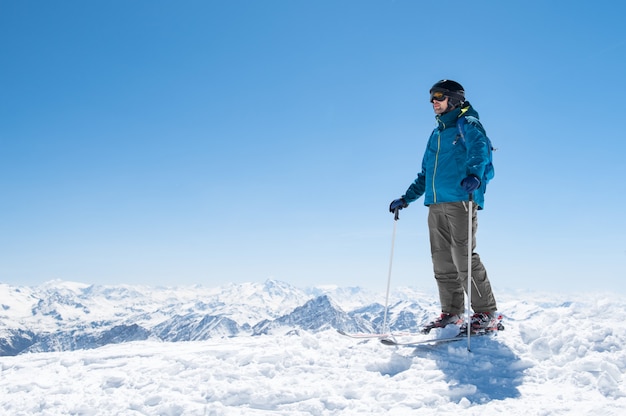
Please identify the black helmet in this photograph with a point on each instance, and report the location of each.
(452, 89)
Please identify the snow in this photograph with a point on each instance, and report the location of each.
(559, 355)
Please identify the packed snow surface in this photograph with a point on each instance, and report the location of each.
(559, 355)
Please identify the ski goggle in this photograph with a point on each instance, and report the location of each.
(437, 96)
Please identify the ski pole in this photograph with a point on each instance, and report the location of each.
(469, 270)
(396, 217)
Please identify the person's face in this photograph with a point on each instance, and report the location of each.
(440, 106)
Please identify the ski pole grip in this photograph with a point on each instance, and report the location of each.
(396, 214)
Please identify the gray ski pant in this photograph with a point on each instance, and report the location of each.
(447, 224)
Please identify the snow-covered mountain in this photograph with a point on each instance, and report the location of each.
(61, 316)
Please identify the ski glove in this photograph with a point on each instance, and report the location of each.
(397, 204)
(470, 183)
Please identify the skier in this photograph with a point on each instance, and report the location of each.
(453, 167)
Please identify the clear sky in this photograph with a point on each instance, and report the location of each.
(203, 142)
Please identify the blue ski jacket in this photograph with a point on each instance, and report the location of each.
(450, 157)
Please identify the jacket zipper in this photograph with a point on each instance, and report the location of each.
(437, 160)
(435, 167)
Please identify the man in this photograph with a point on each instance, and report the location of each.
(453, 167)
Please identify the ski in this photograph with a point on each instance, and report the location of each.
(459, 337)
(362, 335)
(391, 342)
(368, 335)
(418, 338)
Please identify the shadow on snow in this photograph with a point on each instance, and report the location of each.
(491, 371)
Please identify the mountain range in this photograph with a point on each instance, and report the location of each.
(64, 316)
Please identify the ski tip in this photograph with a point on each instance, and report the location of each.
(387, 341)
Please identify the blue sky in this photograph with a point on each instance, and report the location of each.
(202, 142)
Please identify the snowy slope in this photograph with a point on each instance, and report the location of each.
(559, 355)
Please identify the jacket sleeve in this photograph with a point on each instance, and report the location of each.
(418, 187)
(477, 150)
